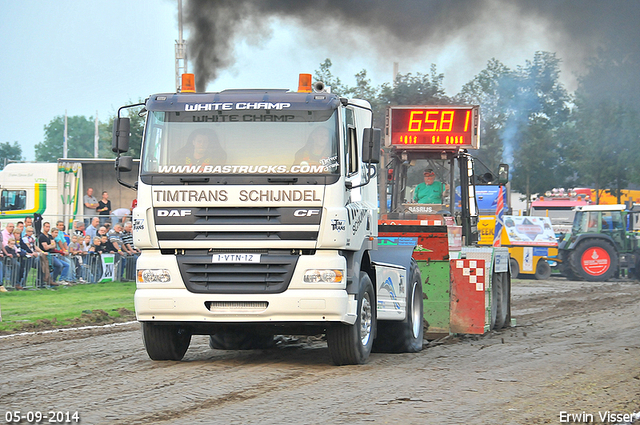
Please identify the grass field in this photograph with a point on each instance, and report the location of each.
(66, 306)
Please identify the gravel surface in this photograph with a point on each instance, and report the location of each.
(575, 349)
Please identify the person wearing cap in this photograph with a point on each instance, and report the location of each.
(430, 191)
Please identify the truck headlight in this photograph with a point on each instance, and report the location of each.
(154, 276)
(323, 276)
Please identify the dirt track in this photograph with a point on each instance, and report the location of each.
(576, 348)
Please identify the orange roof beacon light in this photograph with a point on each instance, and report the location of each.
(188, 83)
(304, 83)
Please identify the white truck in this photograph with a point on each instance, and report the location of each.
(56, 190)
(257, 216)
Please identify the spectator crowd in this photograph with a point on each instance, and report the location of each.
(39, 255)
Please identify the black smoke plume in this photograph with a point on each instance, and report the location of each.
(578, 27)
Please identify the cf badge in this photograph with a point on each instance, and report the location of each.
(305, 213)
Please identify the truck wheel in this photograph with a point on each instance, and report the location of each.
(543, 270)
(515, 268)
(241, 341)
(595, 260)
(497, 309)
(405, 336)
(351, 344)
(165, 342)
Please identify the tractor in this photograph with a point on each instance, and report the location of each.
(602, 243)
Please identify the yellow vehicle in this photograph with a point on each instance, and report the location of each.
(531, 241)
(605, 197)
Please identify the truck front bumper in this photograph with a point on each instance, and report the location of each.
(293, 305)
(300, 302)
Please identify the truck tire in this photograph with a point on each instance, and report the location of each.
(165, 342)
(515, 268)
(594, 260)
(404, 336)
(228, 340)
(543, 270)
(497, 319)
(351, 344)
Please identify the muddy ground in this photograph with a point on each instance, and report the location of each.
(575, 349)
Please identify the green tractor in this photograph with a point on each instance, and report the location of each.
(603, 240)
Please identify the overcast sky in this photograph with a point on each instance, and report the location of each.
(92, 56)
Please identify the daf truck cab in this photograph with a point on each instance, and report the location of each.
(257, 215)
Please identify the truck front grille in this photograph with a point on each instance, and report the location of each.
(209, 226)
(236, 306)
(270, 276)
(204, 235)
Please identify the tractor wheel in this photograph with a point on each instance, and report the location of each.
(543, 270)
(565, 265)
(594, 260)
(636, 265)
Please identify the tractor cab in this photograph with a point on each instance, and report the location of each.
(425, 183)
(613, 221)
(603, 241)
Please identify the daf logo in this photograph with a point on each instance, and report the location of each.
(173, 213)
(305, 213)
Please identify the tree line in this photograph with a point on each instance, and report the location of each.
(550, 137)
(80, 139)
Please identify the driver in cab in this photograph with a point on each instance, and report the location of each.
(430, 191)
(318, 148)
(202, 148)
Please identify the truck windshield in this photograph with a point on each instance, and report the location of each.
(228, 142)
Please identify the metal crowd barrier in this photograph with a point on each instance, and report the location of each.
(17, 272)
(29, 272)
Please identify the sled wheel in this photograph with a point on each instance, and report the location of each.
(497, 309)
(404, 336)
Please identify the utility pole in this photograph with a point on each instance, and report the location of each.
(96, 137)
(181, 51)
(65, 145)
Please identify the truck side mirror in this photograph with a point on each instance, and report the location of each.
(124, 163)
(371, 145)
(503, 174)
(121, 129)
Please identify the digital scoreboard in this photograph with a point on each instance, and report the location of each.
(434, 127)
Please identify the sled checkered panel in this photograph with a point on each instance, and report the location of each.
(473, 270)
